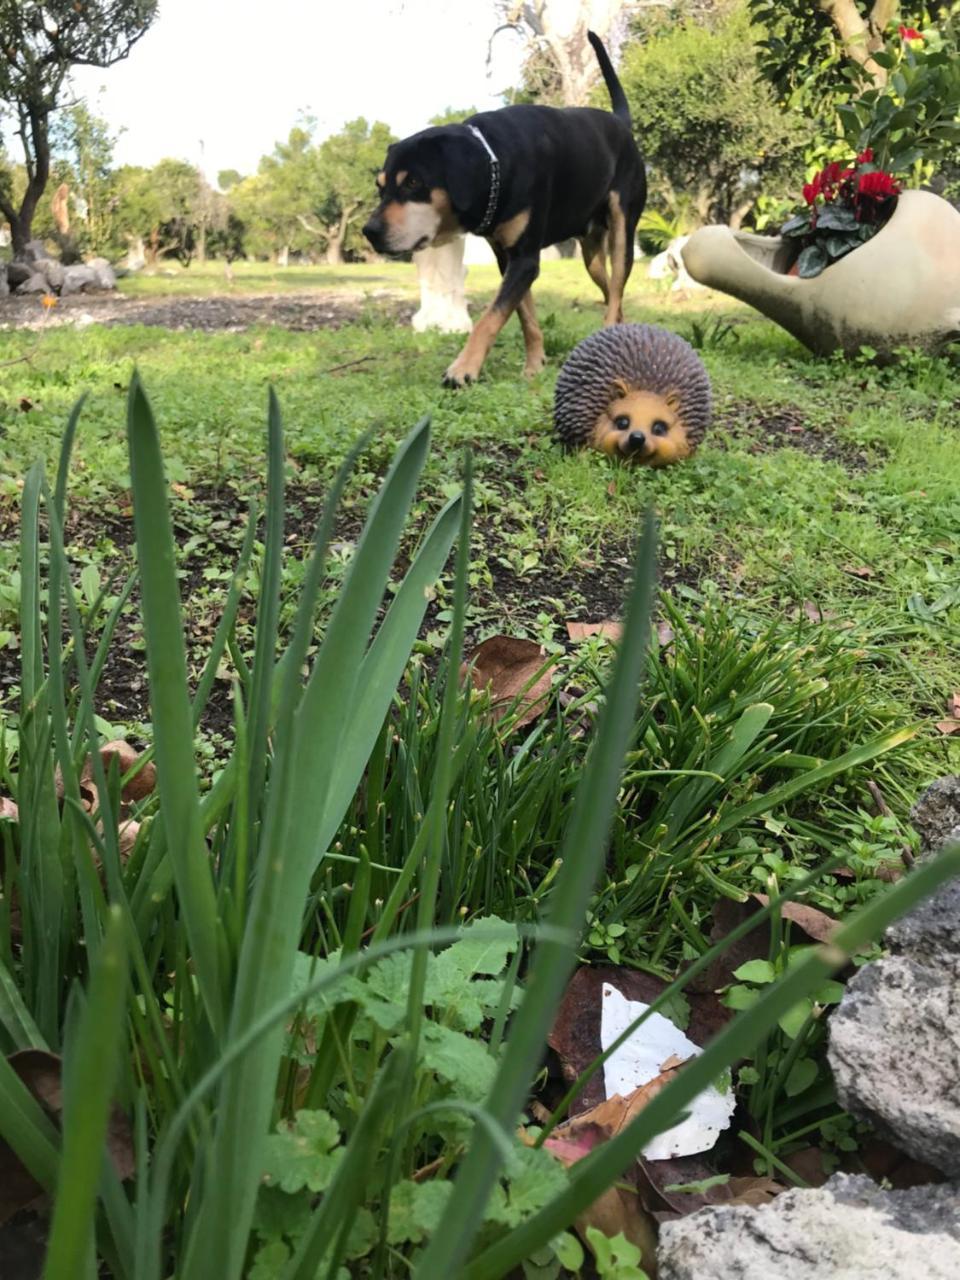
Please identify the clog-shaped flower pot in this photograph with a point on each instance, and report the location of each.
(900, 289)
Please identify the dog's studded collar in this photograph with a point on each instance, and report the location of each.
(494, 198)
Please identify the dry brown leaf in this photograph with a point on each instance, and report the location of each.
(814, 612)
(952, 722)
(127, 837)
(610, 630)
(41, 1072)
(946, 727)
(8, 809)
(619, 1212)
(612, 488)
(953, 704)
(664, 634)
(509, 667)
(859, 570)
(815, 924)
(142, 784)
(614, 1114)
(753, 1191)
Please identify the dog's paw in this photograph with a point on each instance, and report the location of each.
(535, 366)
(454, 380)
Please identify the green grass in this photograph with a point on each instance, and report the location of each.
(862, 521)
(338, 823)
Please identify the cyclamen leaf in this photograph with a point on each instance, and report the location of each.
(416, 1210)
(281, 1214)
(304, 1153)
(457, 1059)
(811, 261)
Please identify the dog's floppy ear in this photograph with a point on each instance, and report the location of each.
(466, 171)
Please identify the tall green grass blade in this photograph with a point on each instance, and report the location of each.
(322, 726)
(16, 1019)
(814, 777)
(582, 857)
(606, 1163)
(25, 1126)
(170, 703)
(63, 465)
(751, 723)
(41, 868)
(90, 1072)
(268, 615)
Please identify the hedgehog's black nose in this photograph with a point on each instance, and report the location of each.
(635, 441)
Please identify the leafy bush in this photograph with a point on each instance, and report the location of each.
(706, 122)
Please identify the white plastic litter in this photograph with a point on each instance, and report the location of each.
(640, 1060)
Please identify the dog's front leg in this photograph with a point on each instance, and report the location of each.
(517, 280)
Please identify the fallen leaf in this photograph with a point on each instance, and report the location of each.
(610, 630)
(815, 924)
(859, 570)
(952, 723)
(8, 809)
(612, 488)
(26, 404)
(144, 781)
(614, 1114)
(815, 613)
(664, 634)
(539, 473)
(41, 1072)
(517, 674)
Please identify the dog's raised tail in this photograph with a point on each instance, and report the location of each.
(618, 99)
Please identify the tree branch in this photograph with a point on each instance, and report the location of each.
(855, 36)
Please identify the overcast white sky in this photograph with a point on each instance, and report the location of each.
(234, 74)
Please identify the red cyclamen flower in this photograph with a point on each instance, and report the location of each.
(877, 185)
(865, 157)
(910, 33)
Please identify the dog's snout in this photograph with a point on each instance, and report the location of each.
(373, 230)
(635, 441)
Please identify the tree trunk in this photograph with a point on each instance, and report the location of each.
(333, 256)
(862, 37)
(283, 256)
(738, 214)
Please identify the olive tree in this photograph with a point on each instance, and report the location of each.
(39, 45)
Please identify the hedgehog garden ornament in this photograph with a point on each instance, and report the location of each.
(635, 392)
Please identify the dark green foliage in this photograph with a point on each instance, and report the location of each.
(706, 121)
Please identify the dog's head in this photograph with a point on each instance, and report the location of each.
(642, 427)
(428, 184)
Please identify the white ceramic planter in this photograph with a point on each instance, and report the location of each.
(900, 289)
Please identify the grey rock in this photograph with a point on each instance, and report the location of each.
(850, 1229)
(936, 815)
(78, 279)
(18, 272)
(34, 251)
(106, 279)
(54, 273)
(36, 283)
(895, 1056)
(930, 933)
(895, 1038)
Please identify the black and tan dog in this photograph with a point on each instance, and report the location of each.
(525, 177)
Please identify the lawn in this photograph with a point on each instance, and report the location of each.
(826, 490)
(793, 704)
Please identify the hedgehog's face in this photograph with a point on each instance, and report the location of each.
(642, 427)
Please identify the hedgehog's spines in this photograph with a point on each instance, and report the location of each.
(647, 358)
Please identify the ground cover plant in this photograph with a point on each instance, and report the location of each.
(803, 656)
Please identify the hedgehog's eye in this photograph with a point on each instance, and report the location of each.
(621, 422)
(660, 428)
